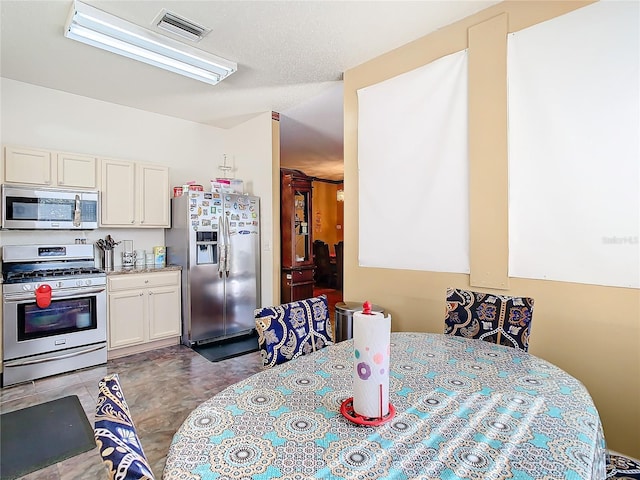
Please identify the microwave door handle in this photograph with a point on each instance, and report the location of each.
(77, 213)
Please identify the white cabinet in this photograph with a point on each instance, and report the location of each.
(76, 171)
(27, 165)
(127, 318)
(31, 166)
(134, 194)
(143, 308)
(118, 195)
(153, 195)
(164, 312)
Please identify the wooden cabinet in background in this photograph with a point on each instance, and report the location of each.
(295, 224)
(297, 284)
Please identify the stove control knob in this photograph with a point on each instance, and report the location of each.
(88, 282)
(26, 287)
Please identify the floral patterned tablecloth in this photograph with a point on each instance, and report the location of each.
(465, 409)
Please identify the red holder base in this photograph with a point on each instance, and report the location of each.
(346, 409)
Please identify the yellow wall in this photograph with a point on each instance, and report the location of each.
(275, 213)
(592, 332)
(324, 207)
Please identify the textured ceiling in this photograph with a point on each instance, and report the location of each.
(290, 55)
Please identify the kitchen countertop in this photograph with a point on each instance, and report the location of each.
(146, 269)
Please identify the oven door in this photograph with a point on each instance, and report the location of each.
(76, 317)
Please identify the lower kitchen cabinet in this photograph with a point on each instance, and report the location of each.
(144, 308)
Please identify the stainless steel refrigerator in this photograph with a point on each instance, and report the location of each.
(215, 237)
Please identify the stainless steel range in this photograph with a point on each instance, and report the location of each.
(54, 311)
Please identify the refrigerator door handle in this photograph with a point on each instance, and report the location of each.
(227, 246)
(222, 257)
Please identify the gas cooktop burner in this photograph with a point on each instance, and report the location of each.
(22, 276)
(59, 264)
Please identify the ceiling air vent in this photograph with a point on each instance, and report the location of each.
(178, 25)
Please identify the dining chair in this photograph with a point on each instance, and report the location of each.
(292, 329)
(322, 262)
(116, 436)
(339, 264)
(501, 319)
(622, 467)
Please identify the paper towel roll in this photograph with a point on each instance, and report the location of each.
(371, 351)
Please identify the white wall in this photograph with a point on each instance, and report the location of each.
(248, 149)
(43, 118)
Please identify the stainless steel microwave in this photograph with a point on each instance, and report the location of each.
(28, 208)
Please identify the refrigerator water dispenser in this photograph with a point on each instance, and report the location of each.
(206, 248)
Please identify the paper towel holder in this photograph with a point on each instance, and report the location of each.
(347, 411)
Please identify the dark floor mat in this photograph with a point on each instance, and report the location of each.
(215, 352)
(36, 437)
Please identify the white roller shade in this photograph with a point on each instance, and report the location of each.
(574, 147)
(413, 169)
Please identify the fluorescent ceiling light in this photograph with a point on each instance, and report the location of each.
(92, 26)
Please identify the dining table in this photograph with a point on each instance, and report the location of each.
(464, 409)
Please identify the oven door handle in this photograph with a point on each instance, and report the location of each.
(77, 292)
(29, 297)
(21, 363)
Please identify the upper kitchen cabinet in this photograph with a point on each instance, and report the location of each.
(134, 194)
(30, 166)
(153, 192)
(118, 194)
(76, 171)
(27, 165)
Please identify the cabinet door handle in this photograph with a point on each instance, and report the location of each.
(141, 294)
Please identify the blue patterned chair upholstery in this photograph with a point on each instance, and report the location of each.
(116, 435)
(623, 467)
(500, 319)
(293, 329)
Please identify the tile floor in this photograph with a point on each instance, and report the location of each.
(161, 388)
